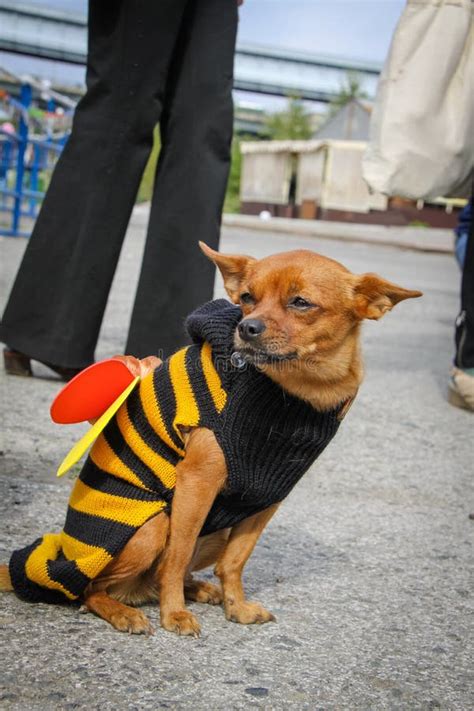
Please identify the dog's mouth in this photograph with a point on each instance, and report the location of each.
(259, 356)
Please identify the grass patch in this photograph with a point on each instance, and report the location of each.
(145, 191)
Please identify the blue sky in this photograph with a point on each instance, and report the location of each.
(359, 29)
(347, 28)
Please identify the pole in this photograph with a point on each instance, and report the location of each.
(25, 100)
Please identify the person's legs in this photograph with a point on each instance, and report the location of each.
(196, 130)
(465, 322)
(461, 387)
(57, 302)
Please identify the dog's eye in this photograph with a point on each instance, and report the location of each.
(299, 303)
(247, 298)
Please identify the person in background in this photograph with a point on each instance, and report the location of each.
(461, 384)
(169, 62)
(462, 233)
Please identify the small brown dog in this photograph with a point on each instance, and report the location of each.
(295, 346)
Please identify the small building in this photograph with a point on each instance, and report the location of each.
(322, 179)
(350, 123)
(293, 178)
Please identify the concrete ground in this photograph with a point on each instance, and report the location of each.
(428, 239)
(367, 566)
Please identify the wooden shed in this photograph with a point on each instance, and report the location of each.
(326, 174)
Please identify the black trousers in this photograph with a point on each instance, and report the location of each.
(464, 334)
(149, 61)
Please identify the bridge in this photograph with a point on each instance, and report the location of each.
(62, 36)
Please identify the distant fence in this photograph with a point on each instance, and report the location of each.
(26, 161)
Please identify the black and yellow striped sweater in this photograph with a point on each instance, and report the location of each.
(268, 437)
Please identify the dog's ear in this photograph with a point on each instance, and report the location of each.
(374, 296)
(231, 266)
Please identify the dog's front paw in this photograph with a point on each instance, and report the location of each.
(182, 622)
(202, 591)
(131, 621)
(247, 613)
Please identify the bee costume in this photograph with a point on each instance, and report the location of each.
(269, 439)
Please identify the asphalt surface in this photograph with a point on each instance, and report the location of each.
(367, 566)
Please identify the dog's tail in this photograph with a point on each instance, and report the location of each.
(5, 579)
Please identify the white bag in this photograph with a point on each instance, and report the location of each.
(422, 127)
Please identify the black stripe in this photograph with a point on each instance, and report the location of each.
(97, 531)
(99, 480)
(166, 399)
(67, 573)
(26, 588)
(126, 454)
(140, 421)
(198, 382)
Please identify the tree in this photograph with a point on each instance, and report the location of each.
(350, 89)
(293, 123)
(232, 198)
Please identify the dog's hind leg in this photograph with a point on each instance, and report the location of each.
(125, 579)
(5, 579)
(120, 616)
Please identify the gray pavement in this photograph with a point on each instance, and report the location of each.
(367, 566)
(423, 239)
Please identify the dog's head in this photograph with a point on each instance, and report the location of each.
(300, 304)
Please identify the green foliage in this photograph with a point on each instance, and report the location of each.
(146, 186)
(232, 198)
(418, 223)
(293, 123)
(350, 89)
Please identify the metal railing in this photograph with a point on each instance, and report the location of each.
(26, 160)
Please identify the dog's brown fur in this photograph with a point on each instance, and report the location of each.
(323, 366)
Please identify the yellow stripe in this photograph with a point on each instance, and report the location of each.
(153, 413)
(105, 458)
(90, 560)
(36, 566)
(187, 411)
(158, 464)
(116, 508)
(213, 380)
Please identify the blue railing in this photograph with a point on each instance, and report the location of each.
(24, 159)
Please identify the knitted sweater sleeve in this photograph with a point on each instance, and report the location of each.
(214, 322)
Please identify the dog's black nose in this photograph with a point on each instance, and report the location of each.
(251, 328)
